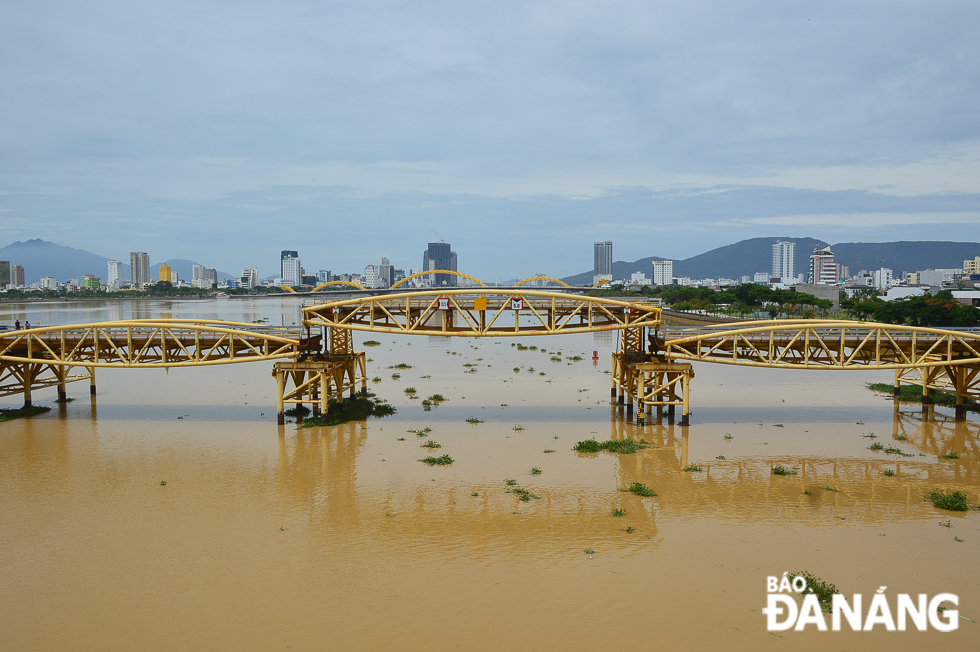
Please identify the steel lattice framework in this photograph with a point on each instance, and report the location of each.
(820, 344)
(482, 312)
(148, 343)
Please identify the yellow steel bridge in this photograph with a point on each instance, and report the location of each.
(651, 369)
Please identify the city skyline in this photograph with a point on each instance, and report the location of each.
(501, 128)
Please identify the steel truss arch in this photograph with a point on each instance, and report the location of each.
(482, 312)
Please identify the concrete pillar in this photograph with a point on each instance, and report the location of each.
(280, 391)
(91, 382)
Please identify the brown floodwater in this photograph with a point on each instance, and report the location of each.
(276, 538)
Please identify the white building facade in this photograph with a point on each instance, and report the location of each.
(783, 255)
(663, 272)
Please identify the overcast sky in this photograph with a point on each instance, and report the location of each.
(520, 132)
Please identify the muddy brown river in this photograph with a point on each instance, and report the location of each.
(171, 513)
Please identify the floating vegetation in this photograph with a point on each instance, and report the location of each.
(951, 455)
(517, 370)
(475, 493)
(427, 404)
(530, 370)
(692, 468)
(443, 460)
(510, 482)
(640, 489)
(728, 436)
(372, 343)
(623, 447)
(589, 551)
(410, 390)
(913, 394)
(548, 450)
(823, 590)
(901, 438)
(619, 512)
(358, 408)
(533, 348)
(431, 444)
(425, 377)
(720, 457)
(576, 358)
(894, 451)
(437, 398)
(555, 358)
(421, 432)
(298, 411)
(778, 425)
(946, 524)
(376, 379)
(518, 428)
(400, 439)
(523, 494)
(469, 364)
(829, 488)
(807, 492)
(8, 414)
(890, 472)
(954, 502)
(163, 483)
(541, 373)
(396, 376)
(400, 365)
(877, 446)
(474, 420)
(629, 529)
(535, 470)
(521, 347)
(782, 470)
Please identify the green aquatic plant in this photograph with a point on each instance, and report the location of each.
(619, 512)
(877, 446)
(524, 495)
(951, 455)
(782, 470)
(954, 502)
(692, 468)
(624, 447)
(474, 420)
(890, 472)
(510, 482)
(372, 343)
(431, 444)
(8, 414)
(640, 489)
(443, 460)
(823, 590)
(410, 390)
(535, 471)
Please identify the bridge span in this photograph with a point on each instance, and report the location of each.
(652, 368)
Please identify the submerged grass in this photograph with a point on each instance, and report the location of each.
(358, 408)
(8, 414)
(623, 447)
(913, 394)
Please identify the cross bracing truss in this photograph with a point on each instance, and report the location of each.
(148, 343)
(816, 344)
(482, 312)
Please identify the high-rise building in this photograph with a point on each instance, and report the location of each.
(139, 268)
(324, 276)
(602, 270)
(114, 278)
(291, 268)
(250, 278)
(286, 256)
(663, 272)
(823, 271)
(49, 283)
(4, 273)
(17, 276)
(165, 272)
(440, 255)
(197, 273)
(783, 254)
(371, 278)
(386, 273)
(90, 282)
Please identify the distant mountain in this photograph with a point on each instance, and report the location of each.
(41, 258)
(755, 255)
